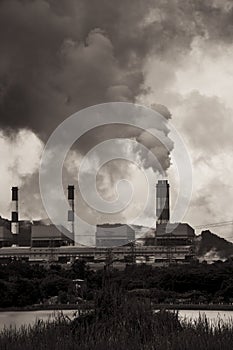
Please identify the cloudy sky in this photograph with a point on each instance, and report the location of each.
(58, 57)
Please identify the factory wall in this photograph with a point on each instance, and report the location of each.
(6, 238)
(110, 235)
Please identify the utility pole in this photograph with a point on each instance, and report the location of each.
(133, 252)
(107, 267)
(108, 259)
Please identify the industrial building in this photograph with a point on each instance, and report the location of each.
(165, 244)
(175, 237)
(49, 236)
(113, 235)
(174, 234)
(149, 255)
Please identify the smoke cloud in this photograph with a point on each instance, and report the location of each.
(58, 57)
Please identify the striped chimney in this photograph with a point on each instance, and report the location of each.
(15, 215)
(71, 210)
(162, 202)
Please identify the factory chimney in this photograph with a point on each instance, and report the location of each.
(71, 210)
(15, 215)
(162, 202)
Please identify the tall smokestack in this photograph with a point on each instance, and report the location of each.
(71, 210)
(15, 215)
(162, 202)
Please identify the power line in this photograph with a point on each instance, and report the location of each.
(215, 224)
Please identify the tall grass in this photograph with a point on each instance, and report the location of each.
(120, 323)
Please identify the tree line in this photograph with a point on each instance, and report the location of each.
(23, 284)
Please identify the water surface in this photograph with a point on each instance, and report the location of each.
(20, 318)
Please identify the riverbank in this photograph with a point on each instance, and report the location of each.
(88, 306)
(213, 307)
(55, 307)
(131, 325)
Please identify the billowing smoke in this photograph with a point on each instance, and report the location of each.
(211, 256)
(58, 57)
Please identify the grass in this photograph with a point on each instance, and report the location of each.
(120, 323)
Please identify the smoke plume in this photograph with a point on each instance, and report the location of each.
(58, 57)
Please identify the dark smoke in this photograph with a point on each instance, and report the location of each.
(60, 56)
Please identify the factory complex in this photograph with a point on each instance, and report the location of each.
(36, 242)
